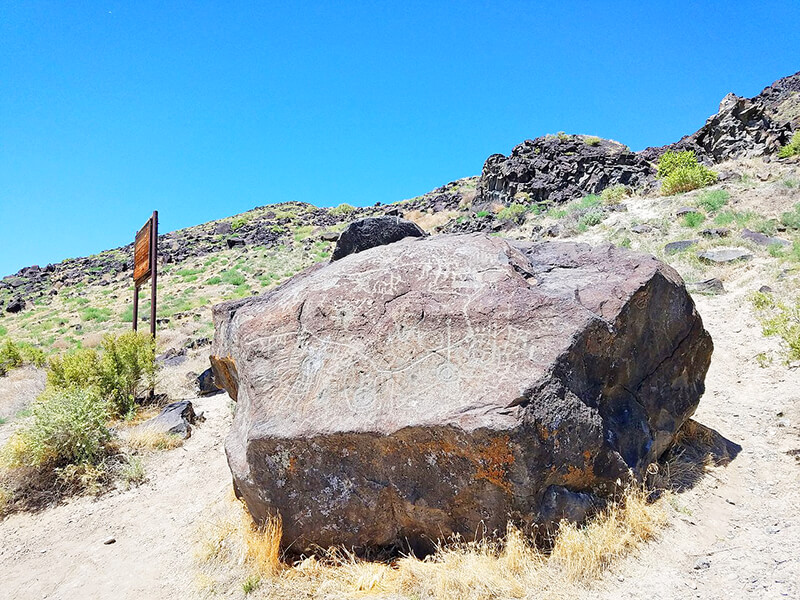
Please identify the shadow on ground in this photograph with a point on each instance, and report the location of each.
(696, 448)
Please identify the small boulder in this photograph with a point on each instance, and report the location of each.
(206, 385)
(716, 232)
(763, 240)
(329, 236)
(175, 419)
(16, 305)
(223, 228)
(679, 246)
(374, 231)
(234, 242)
(725, 255)
(172, 357)
(643, 228)
(711, 287)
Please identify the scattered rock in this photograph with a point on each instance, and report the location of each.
(206, 385)
(329, 236)
(172, 357)
(234, 242)
(725, 255)
(708, 286)
(108, 541)
(765, 289)
(701, 564)
(174, 419)
(643, 228)
(374, 231)
(763, 240)
(716, 232)
(679, 246)
(440, 386)
(223, 229)
(197, 343)
(15, 305)
(685, 210)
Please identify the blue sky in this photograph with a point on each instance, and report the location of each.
(202, 110)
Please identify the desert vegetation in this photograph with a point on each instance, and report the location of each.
(66, 444)
(681, 172)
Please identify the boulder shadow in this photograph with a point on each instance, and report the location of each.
(695, 449)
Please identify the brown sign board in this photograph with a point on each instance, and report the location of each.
(142, 251)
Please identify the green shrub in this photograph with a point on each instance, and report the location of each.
(713, 200)
(232, 277)
(614, 194)
(592, 140)
(590, 219)
(68, 427)
(3, 331)
(239, 222)
(693, 219)
(342, 210)
(590, 201)
(781, 320)
(792, 148)
(10, 357)
(515, 213)
(127, 368)
(214, 280)
(791, 219)
(482, 213)
(99, 315)
(680, 172)
(118, 374)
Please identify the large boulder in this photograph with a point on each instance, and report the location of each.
(449, 384)
(558, 169)
(374, 231)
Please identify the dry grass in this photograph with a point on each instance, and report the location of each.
(146, 439)
(231, 550)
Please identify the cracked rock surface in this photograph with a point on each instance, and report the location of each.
(445, 385)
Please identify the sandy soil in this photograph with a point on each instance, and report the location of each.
(735, 534)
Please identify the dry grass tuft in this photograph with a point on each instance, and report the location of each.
(262, 545)
(231, 550)
(147, 439)
(583, 553)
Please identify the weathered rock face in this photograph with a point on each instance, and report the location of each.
(374, 231)
(440, 385)
(743, 128)
(560, 169)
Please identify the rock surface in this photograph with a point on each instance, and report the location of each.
(559, 169)
(175, 419)
(442, 385)
(374, 231)
(725, 255)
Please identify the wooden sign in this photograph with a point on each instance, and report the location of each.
(145, 265)
(142, 252)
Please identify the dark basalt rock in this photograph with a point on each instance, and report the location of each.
(679, 246)
(763, 240)
(559, 169)
(175, 419)
(450, 384)
(743, 127)
(206, 385)
(374, 231)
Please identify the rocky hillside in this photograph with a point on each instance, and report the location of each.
(553, 186)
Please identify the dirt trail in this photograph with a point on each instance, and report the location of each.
(59, 553)
(735, 534)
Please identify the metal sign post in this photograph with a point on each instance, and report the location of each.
(145, 266)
